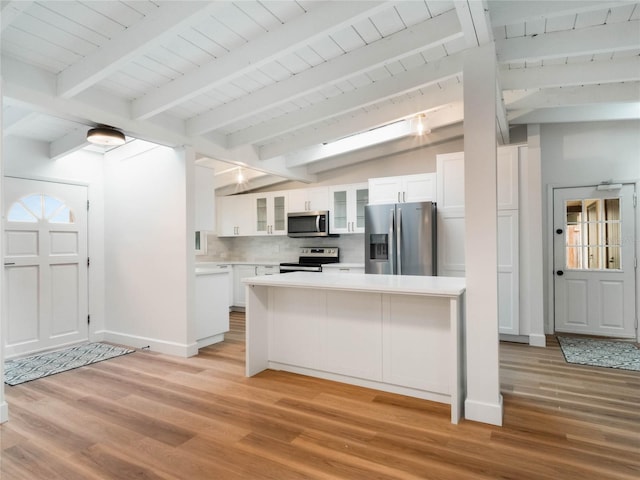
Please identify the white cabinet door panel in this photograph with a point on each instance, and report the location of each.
(409, 345)
(295, 332)
(419, 188)
(353, 344)
(508, 272)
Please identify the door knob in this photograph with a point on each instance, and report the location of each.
(559, 231)
(559, 273)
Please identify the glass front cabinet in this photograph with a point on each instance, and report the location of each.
(347, 204)
(270, 210)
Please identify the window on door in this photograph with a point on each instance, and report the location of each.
(38, 206)
(593, 234)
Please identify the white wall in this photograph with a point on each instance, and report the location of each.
(584, 154)
(4, 409)
(30, 159)
(149, 256)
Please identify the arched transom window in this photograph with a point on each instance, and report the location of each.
(32, 208)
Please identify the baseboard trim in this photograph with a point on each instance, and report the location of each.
(484, 412)
(537, 340)
(153, 344)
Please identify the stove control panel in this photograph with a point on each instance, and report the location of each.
(319, 252)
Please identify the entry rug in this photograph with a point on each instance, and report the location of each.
(600, 353)
(25, 369)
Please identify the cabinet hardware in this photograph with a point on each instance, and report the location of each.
(398, 197)
(10, 263)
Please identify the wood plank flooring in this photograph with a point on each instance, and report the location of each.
(152, 416)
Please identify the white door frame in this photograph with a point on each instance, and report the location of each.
(549, 264)
(40, 178)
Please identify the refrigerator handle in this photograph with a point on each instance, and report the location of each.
(398, 241)
(392, 250)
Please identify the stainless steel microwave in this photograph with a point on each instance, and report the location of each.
(308, 224)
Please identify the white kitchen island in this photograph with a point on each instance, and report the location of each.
(395, 333)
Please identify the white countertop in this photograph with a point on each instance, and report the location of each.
(211, 271)
(360, 282)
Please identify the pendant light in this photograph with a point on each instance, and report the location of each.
(107, 136)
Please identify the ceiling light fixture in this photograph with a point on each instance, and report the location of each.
(421, 125)
(107, 136)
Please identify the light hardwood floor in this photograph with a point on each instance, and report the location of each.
(151, 416)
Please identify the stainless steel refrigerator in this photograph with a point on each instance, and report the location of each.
(400, 239)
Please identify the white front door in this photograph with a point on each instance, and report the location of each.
(594, 260)
(45, 264)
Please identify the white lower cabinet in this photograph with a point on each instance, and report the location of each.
(416, 332)
(352, 316)
(295, 333)
(245, 271)
(212, 311)
(400, 340)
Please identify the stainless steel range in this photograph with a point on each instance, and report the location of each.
(311, 259)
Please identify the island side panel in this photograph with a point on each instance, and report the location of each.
(257, 329)
(458, 369)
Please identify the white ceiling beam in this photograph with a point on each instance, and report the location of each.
(246, 156)
(14, 117)
(413, 79)
(423, 36)
(323, 19)
(613, 71)
(35, 87)
(406, 144)
(435, 120)
(10, 11)
(474, 21)
(572, 96)
(609, 38)
(505, 12)
(67, 144)
(582, 113)
(150, 32)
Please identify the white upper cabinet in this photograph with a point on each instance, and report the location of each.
(308, 199)
(269, 213)
(346, 204)
(450, 191)
(204, 199)
(407, 188)
(234, 216)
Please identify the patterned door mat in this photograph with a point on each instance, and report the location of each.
(600, 353)
(30, 368)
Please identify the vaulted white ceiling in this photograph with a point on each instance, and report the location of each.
(267, 83)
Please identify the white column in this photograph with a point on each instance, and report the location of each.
(4, 409)
(483, 402)
(531, 257)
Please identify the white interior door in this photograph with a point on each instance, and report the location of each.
(45, 265)
(594, 260)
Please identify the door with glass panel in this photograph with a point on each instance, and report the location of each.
(45, 261)
(594, 260)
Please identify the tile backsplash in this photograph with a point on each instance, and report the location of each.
(278, 248)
